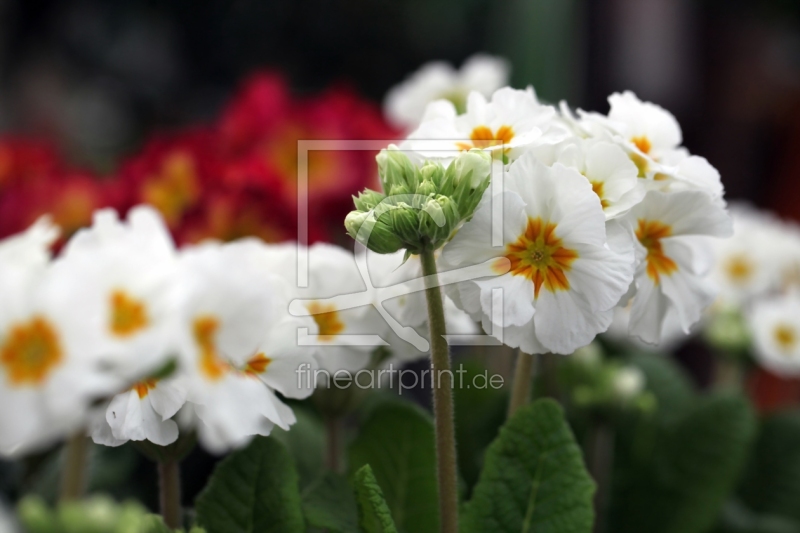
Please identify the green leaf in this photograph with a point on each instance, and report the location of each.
(253, 490)
(329, 503)
(772, 481)
(306, 442)
(690, 473)
(375, 514)
(397, 441)
(534, 479)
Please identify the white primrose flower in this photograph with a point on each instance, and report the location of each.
(564, 279)
(628, 382)
(124, 275)
(748, 265)
(671, 232)
(49, 372)
(652, 137)
(507, 124)
(410, 308)
(144, 412)
(672, 334)
(608, 168)
(775, 324)
(239, 346)
(405, 103)
(332, 272)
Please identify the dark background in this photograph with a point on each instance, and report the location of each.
(99, 76)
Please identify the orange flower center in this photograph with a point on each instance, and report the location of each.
(739, 269)
(597, 187)
(128, 315)
(650, 233)
(175, 188)
(538, 255)
(327, 319)
(257, 364)
(644, 145)
(143, 388)
(484, 137)
(785, 337)
(205, 333)
(30, 352)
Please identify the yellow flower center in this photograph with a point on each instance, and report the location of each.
(205, 333)
(484, 137)
(538, 255)
(650, 233)
(597, 187)
(30, 352)
(644, 145)
(739, 269)
(128, 315)
(257, 364)
(175, 189)
(143, 388)
(785, 337)
(327, 319)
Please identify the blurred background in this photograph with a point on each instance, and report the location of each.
(97, 93)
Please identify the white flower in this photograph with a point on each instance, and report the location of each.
(748, 265)
(405, 103)
(142, 413)
(672, 333)
(563, 281)
(239, 344)
(608, 168)
(48, 374)
(511, 121)
(775, 324)
(124, 275)
(671, 231)
(332, 271)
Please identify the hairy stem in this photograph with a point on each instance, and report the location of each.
(333, 430)
(442, 399)
(73, 476)
(169, 485)
(600, 458)
(521, 388)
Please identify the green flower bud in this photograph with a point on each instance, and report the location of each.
(426, 188)
(432, 171)
(368, 199)
(474, 167)
(395, 168)
(405, 222)
(374, 233)
(398, 190)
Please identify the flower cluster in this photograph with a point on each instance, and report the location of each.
(233, 178)
(758, 273)
(586, 214)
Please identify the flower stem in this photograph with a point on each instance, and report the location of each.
(169, 485)
(333, 430)
(442, 399)
(600, 458)
(521, 389)
(73, 477)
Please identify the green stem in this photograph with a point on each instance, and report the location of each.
(73, 477)
(521, 388)
(333, 427)
(600, 459)
(728, 373)
(442, 399)
(169, 485)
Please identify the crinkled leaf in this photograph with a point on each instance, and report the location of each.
(534, 479)
(253, 490)
(329, 503)
(373, 510)
(397, 441)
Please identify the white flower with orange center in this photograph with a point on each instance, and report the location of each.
(748, 265)
(405, 103)
(672, 231)
(239, 345)
(508, 123)
(124, 273)
(606, 166)
(143, 412)
(561, 278)
(775, 325)
(47, 377)
(332, 271)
